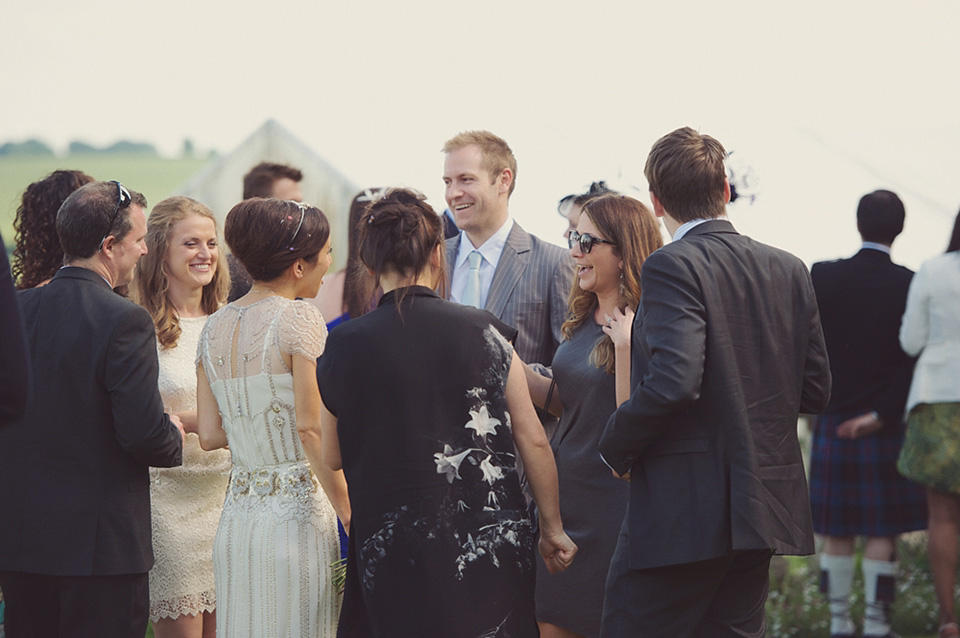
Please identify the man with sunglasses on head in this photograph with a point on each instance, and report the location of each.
(727, 351)
(492, 262)
(75, 527)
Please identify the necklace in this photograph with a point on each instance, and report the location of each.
(263, 292)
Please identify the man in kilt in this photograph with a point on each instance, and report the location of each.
(855, 489)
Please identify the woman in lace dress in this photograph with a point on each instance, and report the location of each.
(426, 408)
(612, 238)
(276, 546)
(181, 281)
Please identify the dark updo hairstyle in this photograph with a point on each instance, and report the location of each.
(359, 290)
(270, 235)
(398, 233)
(37, 255)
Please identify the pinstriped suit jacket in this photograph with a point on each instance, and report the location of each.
(529, 291)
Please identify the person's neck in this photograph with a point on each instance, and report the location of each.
(285, 288)
(188, 302)
(96, 265)
(479, 237)
(392, 281)
(606, 304)
(671, 224)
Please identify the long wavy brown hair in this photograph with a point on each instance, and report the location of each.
(635, 231)
(37, 255)
(150, 282)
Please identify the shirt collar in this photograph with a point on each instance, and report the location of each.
(872, 245)
(687, 226)
(490, 250)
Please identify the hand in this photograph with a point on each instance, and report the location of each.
(618, 327)
(625, 476)
(557, 550)
(177, 422)
(859, 426)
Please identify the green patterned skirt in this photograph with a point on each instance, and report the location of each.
(931, 450)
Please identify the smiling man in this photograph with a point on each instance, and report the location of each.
(493, 263)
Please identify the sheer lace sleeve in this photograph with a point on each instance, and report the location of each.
(301, 330)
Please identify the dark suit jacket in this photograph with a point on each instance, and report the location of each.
(861, 301)
(74, 483)
(14, 365)
(529, 291)
(728, 339)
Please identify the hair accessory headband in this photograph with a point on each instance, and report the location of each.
(303, 210)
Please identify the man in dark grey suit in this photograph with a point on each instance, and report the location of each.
(75, 502)
(493, 263)
(727, 350)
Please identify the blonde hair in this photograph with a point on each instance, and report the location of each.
(633, 228)
(150, 281)
(494, 150)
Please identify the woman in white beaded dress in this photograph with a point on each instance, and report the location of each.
(277, 543)
(181, 281)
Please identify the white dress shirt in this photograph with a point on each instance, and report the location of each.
(490, 250)
(684, 228)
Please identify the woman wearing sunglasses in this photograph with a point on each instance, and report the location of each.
(613, 237)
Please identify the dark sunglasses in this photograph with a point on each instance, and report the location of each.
(123, 200)
(586, 241)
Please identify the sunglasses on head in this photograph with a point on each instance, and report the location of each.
(586, 241)
(123, 200)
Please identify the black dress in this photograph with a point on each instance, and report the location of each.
(440, 540)
(592, 500)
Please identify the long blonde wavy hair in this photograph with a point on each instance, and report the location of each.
(150, 281)
(630, 225)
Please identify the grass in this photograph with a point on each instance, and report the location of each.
(155, 177)
(795, 606)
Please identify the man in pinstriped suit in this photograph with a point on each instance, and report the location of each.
(522, 280)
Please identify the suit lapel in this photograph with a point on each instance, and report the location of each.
(453, 247)
(511, 266)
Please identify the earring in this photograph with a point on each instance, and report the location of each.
(623, 289)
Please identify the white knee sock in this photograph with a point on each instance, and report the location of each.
(836, 581)
(879, 585)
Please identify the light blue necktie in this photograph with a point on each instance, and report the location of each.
(471, 292)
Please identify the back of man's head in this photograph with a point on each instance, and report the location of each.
(880, 216)
(686, 173)
(496, 153)
(84, 218)
(259, 181)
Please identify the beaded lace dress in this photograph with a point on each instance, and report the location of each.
(185, 502)
(277, 541)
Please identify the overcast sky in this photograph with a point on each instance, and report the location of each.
(822, 101)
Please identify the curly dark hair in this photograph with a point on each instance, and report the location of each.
(37, 255)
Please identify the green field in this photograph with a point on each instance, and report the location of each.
(155, 177)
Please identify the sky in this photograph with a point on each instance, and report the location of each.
(819, 102)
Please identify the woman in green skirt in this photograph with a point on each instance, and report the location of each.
(931, 450)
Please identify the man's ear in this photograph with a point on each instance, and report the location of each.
(726, 190)
(657, 206)
(504, 180)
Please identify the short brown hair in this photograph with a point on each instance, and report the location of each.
(84, 215)
(495, 151)
(267, 236)
(685, 171)
(259, 181)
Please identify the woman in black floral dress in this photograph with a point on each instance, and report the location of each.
(426, 408)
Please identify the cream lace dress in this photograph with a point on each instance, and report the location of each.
(277, 541)
(185, 501)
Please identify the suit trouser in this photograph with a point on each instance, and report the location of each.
(44, 606)
(720, 597)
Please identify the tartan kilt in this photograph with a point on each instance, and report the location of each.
(855, 488)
